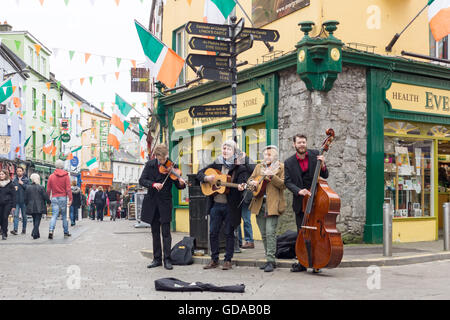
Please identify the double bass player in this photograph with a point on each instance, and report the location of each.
(299, 172)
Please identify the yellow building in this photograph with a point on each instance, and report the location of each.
(365, 24)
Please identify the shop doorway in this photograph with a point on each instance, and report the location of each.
(443, 179)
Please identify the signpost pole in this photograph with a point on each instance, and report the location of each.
(233, 83)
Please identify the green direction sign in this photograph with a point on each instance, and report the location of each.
(65, 137)
(215, 74)
(197, 60)
(212, 111)
(208, 29)
(261, 34)
(197, 43)
(244, 44)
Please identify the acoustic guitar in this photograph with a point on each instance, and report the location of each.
(260, 189)
(220, 185)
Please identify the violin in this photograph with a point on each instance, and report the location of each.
(169, 168)
(319, 243)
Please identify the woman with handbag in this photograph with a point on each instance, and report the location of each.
(7, 201)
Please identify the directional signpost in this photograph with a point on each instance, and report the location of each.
(212, 111)
(222, 68)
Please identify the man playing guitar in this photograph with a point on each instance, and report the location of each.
(224, 208)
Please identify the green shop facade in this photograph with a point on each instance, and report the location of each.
(407, 132)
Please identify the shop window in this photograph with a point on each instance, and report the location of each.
(439, 49)
(439, 131)
(185, 163)
(408, 176)
(400, 127)
(180, 49)
(255, 141)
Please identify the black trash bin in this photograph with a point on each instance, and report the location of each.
(198, 218)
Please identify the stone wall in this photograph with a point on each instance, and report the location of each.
(344, 109)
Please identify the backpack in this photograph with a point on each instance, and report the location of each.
(183, 251)
(286, 245)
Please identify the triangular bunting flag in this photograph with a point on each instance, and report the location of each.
(117, 2)
(18, 43)
(71, 53)
(42, 2)
(86, 57)
(38, 48)
(66, 2)
(7, 90)
(90, 80)
(133, 62)
(119, 60)
(117, 75)
(48, 84)
(103, 59)
(81, 81)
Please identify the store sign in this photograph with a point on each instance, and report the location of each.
(266, 11)
(248, 103)
(104, 130)
(5, 144)
(418, 99)
(74, 162)
(65, 137)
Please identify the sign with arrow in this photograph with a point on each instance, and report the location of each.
(197, 43)
(261, 34)
(244, 44)
(215, 74)
(208, 29)
(212, 111)
(197, 60)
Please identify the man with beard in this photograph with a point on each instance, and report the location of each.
(299, 171)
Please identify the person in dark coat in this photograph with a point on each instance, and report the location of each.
(7, 201)
(100, 203)
(224, 208)
(157, 205)
(20, 182)
(298, 175)
(36, 199)
(76, 203)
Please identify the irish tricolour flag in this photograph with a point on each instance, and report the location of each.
(92, 165)
(118, 124)
(164, 64)
(439, 18)
(217, 11)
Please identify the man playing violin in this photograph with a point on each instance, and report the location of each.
(299, 172)
(157, 204)
(224, 208)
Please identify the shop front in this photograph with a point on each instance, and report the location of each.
(103, 179)
(410, 135)
(196, 142)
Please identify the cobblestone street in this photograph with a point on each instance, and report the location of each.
(102, 260)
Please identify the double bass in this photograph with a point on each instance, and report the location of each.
(319, 244)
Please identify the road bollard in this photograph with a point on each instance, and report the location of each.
(387, 229)
(446, 215)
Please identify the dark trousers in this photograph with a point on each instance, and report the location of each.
(299, 219)
(157, 229)
(92, 211)
(217, 216)
(100, 212)
(4, 213)
(36, 223)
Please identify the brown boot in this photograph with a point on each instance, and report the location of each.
(248, 245)
(211, 265)
(227, 265)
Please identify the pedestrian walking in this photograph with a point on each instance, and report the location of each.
(114, 201)
(100, 203)
(268, 205)
(7, 201)
(76, 203)
(91, 202)
(20, 182)
(58, 189)
(36, 200)
(83, 206)
(125, 202)
(157, 205)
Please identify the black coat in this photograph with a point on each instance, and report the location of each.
(234, 197)
(35, 199)
(100, 198)
(76, 197)
(293, 177)
(8, 195)
(154, 199)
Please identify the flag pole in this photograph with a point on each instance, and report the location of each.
(397, 35)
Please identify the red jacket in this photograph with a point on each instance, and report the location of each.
(58, 184)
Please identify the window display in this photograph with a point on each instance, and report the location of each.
(408, 176)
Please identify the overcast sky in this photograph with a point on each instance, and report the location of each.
(103, 29)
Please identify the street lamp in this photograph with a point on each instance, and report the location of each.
(26, 71)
